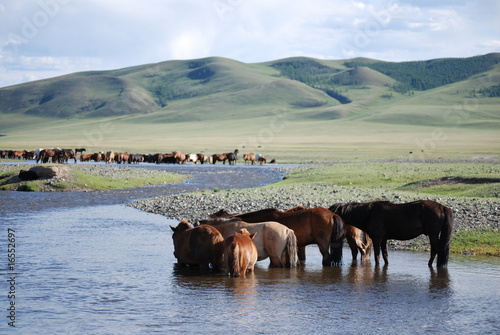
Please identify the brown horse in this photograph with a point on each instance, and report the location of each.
(384, 220)
(202, 245)
(356, 238)
(311, 226)
(249, 158)
(240, 253)
(273, 240)
(219, 158)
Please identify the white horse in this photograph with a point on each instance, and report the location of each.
(192, 158)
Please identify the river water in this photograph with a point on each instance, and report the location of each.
(85, 263)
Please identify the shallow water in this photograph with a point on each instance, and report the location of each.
(105, 268)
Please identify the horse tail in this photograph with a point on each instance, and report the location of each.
(235, 269)
(291, 250)
(445, 238)
(337, 239)
(368, 244)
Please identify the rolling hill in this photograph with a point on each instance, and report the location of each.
(289, 103)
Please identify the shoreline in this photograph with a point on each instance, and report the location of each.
(468, 213)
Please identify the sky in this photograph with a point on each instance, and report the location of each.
(48, 38)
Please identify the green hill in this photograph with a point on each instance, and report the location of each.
(293, 104)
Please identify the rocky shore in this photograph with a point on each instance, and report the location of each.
(468, 213)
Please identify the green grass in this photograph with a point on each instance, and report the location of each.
(99, 183)
(476, 242)
(411, 177)
(85, 181)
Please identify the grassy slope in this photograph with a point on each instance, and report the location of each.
(247, 105)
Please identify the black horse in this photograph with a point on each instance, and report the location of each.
(232, 157)
(384, 220)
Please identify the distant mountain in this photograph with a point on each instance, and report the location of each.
(216, 87)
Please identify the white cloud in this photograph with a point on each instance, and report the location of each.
(52, 37)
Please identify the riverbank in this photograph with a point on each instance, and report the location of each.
(471, 214)
(85, 178)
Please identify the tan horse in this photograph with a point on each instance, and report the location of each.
(240, 253)
(273, 240)
(199, 246)
(249, 158)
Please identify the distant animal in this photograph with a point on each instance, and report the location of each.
(46, 154)
(193, 158)
(232, 157)
(85, 157)
(273, 239)
(198, 246)
(97, 157)
(180, 157)
(219, 158)
(384, 220)
(110, 157)
(202, 158)
(240, 253)
(169, 159)
(80, 150)
(262, 160)
(311, 226)
(122, 157)
(249, 158)
(135, 158)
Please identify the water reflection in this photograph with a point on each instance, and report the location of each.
(440, 280)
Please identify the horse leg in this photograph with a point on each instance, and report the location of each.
(434, 241)
(353, 245)
(385, 255)
(376, 250)
(327, 258)
(301, 253)
(275, 261)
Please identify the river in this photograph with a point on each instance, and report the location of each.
(85, 263)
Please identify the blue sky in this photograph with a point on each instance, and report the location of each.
(47, 38)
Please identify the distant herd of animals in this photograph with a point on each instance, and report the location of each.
(232, 243)
(58, 155)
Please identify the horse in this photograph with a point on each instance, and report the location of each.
(219, 158)
(249, 158)
(356, 238)
(79, 150)
(110, 157)
(384, 220)
(198, 246)
(311, 226)
(192, 158)
(180, 157)
(202, 158)
(273, 240)
(240, 253)
(45, 154)
(85, 157)
(232, 157)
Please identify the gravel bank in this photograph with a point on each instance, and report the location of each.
(468, 213)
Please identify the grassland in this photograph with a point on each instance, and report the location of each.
(439, 142)
(87, 178)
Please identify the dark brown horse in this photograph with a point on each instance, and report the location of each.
(202, 245)
(240, 253)
(219, 158)
(384, 220)
(311, 226)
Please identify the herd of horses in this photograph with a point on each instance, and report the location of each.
(58, 155)
(233, 242)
